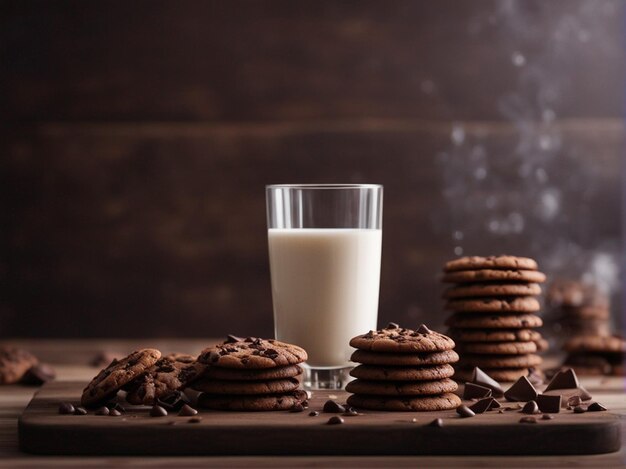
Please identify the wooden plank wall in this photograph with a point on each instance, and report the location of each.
(136, 139)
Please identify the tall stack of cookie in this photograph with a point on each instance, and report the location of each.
(403, 370)
(494, 318)
(251, 374)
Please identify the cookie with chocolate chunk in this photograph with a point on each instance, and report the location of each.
(396, 339)
(119, 373)
(404, 359)
(402, 373)
(490, 262)
(493, 321)
(273, 386)
(252, 403)
(236, 374)
(491, 275)
(520, 304)
(445, 401)
(411, 388)
(253, 353)
(170, 373)
(14, 363)
(492, 290)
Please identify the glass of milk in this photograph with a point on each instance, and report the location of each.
(324, 247)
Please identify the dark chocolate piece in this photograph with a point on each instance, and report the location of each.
(531, 407)
(549, 404)
(173, 400)
(482, 406)
(547, 417)
(392, 325)
(350, 412)
(230, 339)
(115, 413)
(158, 411)
(187, 411)
(436, 423)
(335, 420)
(39, 374)
(102, 411)
(80, 411)
(423, 329)
(521, 391)
(332, 407)
(66, 408)
(464, 411)
(313, 413)
(596, 407)
(195, 420)
(475, 391)
(494, 405)
(579, 410)
(564, 379)
(116, 406)
(528, 420)
(297, 408)
(483, 379)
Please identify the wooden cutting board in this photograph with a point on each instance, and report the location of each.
(43, 431)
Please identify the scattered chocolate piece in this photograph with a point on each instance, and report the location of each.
(314, 413)
(566, 394)
(80, 411)
(38, 374)
(579, 410)
(332, 407)
(436, 423)
(521, 391)
(534, 376)
(66, 408)
(547, 417)
(187, 411)
(531, 407)
(158, 411)
(494, 405)
(549, 404)
(564, 379)
(102, 411)
(423, 329)
(482, 406)
(464, 411)
(483, 379)
(392, 325)
(475, 391)
(115, 413)
(501, 411)
(102, 359)
(596, 407)
(230, 338)
(574, 401)
(350, 412)
(297, 408)
(195, 420)
(116, 406)
(173, 400)
(528, 420)
(335, 420)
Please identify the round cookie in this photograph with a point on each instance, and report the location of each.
(495, 335)
(274, 386)
(604, 344)
(482, 321)
(14, 362)
(170, 373)
(401, 340)
(499, 361)
(489, 275)
(499, 348)
(502, 375)
(492, 290)
(119, 373)
(522, 304)
(413, 388)
(404, 359)
(399, 373)
(235, 374)
(253, 353)
(252, 403)
(587, 312)
(491, 262)
(445, 401)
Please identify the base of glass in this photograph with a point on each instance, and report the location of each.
(326, 378)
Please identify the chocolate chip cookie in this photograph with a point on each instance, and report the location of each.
(253, 353)
(492, 290)
(495, 335)
(520, 304)
(491, 262)
(490, 275)
(401, 388)
(404, 359)
(274, 386)
(395, 339)
(402, 373)
(14, 363)
(499, 348)
(500, 361)
(252, 403)
(490, 321)
(236, 374)
(446, 401)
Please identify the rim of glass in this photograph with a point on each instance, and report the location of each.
(324, 186)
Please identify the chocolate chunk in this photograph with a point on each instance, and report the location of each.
(564, 379)
(232, 339)
(574, 401)
(465, 411)
(483, 379)
(115, 413)
(549, 404)
(547, 417)
(313, 413)
(579, 410)
(187, 411)
(567, 394)
(531, 407)
(116, 406)
(335, 420)
(102, 411)
(333, 408)
(392, 325)
(173, 400)
(534, 377)
(482, 406)
(195, 420)
(80, 411)
(436, 423)
(494, 405)
(596, 407)
(66, 408)
(158, 411)
(528, 420)
(350, 412)
(475, 391)
(521, 391)
(39, 374)
(423, 329)
(297, 408)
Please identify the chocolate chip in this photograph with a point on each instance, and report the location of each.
(115, 413)
(350, 412)
(531, 407)
(596, 407)
(482, 406)
(332, 407)
(80, 411)
(158, 411)
(547, 417)
(528, 420)
(436, 423)
(296, 408)
(102, 411)
(465, 412)
(521, 391)
(195, 420)
(423, 329)
(66, 408)
(232, 339)
(579, 410)
(565, 379)
(314, 413)
(335, 420)
(549, 404)
(173, 400)
(483, 379)
(39, 374)
(117, 406)
(392, 325)
(475, 391)
(187, 411)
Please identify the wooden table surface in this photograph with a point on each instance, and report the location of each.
(70, 358)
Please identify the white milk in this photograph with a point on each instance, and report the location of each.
(325, 285)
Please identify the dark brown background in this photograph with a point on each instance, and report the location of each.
(137, 137)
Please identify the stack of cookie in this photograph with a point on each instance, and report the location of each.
(251, 374)
(494, 315)
(403, 370)
(596, 355)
